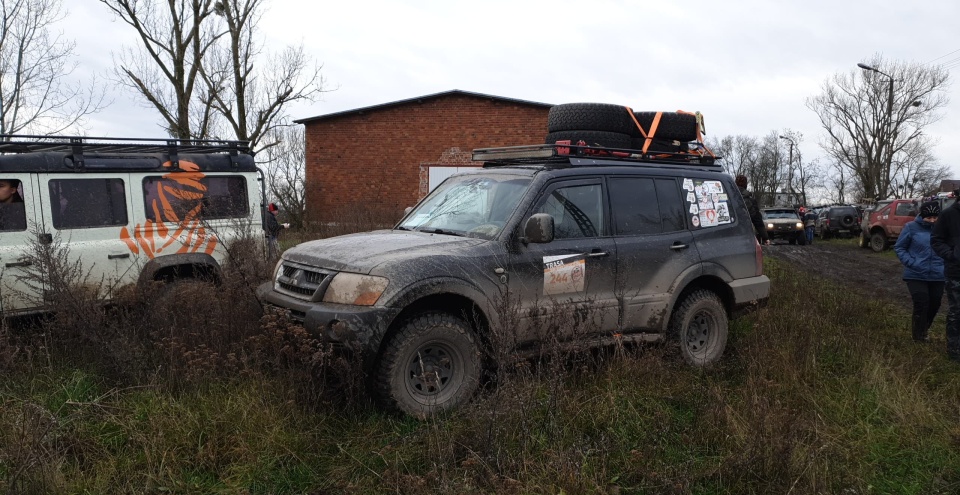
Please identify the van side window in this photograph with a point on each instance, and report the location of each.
(171, 199)
(577, 211)
(906, 210)
(87, 203)
(13, 214)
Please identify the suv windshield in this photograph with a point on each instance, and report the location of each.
(774, 214)
(471, 205)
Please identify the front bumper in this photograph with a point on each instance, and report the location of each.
(357, 328)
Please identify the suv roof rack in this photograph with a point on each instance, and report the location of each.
(562, 153)
(14, 143)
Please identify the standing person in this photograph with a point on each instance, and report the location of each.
(945, 241)
(809, 224)
(273, 228)
(923, 269)
(755, 217)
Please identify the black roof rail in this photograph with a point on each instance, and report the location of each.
(562, 153)
(78, 145)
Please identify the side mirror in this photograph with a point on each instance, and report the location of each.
(407, 210)
(539, 228)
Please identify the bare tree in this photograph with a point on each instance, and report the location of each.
(874, 120)
(286, 172)
(165, 70)
(36, 93)
(201, 65)
(250, 90)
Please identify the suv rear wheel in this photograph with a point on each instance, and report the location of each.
(700, 326)
(430, 365)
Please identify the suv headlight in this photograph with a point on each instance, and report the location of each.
(799, 225)
(769, 225)
(356, 289)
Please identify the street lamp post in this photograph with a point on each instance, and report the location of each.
(790, 169)
(889, 159)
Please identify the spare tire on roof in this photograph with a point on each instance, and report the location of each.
(672, 126)
(658, 145)
(591, 116)
(592, 138)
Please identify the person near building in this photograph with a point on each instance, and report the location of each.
(273, 228)
(754, 209)
(923, 269)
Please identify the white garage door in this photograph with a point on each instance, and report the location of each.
(438, 174)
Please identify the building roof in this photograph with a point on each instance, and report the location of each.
(420, 99)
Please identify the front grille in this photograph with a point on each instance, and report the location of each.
(301, 281)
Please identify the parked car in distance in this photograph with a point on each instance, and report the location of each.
(881, 225)
(837, 220)
(784, 223)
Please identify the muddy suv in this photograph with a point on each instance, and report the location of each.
(834, 221)
(544, 243)
(129, 211)
(784, 223)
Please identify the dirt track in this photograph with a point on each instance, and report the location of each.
(865, 272)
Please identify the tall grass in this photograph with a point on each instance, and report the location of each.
(818, 393)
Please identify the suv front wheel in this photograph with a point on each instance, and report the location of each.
(700, 326)
(432, 364)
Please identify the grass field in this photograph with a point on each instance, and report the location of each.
(814, 395)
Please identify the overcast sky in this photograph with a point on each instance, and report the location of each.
(747, 65)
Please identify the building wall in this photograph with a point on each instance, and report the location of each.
(372, 161)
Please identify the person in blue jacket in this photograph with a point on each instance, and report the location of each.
(922, 269)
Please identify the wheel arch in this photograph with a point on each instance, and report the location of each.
(180, 266)
(710, 282)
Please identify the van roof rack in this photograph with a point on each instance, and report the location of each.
(534, 154)
(19, 143)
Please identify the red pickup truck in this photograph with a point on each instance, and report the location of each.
(881, 225)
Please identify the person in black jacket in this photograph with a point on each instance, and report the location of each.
(273, 228)
(754, 209)
(945, 241)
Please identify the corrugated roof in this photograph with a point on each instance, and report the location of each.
(419, 99)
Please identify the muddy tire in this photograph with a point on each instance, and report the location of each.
(431, 364)
(700, 326)
(592, 138)
(878, 242)
(594, 116)
(673, 126)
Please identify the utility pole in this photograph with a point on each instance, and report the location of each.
(793, 194)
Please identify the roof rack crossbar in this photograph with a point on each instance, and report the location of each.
(77, 145)
(558, 153)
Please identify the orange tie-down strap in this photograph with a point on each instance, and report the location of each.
(648, 138)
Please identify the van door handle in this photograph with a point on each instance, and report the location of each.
(677, 246)
(118, 256)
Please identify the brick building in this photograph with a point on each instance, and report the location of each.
(386, 157)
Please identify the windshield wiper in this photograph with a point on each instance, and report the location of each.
(441, 231)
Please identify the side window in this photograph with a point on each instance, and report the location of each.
(577, 211)
(86, 203)
(172, 199)
(646, 206)
(671, 206)
(906, 210)
(13, 215)
(634, 206)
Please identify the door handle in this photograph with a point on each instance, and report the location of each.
(677, 246)
(118, 256)
(597, 254)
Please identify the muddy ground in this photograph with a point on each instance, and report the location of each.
(866, 273)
